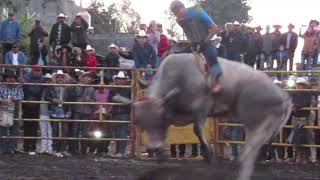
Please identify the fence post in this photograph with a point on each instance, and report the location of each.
(133, 134)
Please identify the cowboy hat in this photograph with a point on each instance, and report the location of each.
(61, 15)
(236, 23)
(142, 33)
(48, 76)
(8, 73)
(76, 50)
(259, 28)
(89, 48)
(291, 25)
(113, 46)
(120, 75)
(59, 73)
(302, 80)
(277, 26)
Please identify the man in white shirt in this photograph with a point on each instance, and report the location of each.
(15, 57)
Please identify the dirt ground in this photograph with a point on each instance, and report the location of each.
(97, 167)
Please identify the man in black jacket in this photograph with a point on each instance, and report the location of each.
(60, 32)
(79, 29)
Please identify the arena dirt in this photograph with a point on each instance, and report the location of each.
(97, 167)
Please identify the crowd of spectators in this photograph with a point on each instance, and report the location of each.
(69, 46)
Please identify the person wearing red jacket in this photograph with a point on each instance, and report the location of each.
(163, 45)
(90, 58)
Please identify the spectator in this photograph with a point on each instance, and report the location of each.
(111, 60)
(45, 126)
(31, 110)
(15, 57)
(153, 36)
(120, 113)
(90, 58)
(281, 57)
(266, 51)
(102, 95)
(236, 42)
(10, 33)
(143, 53)
(225, 41)
(57, 96)
(82, 112)
(251, 48)
(309, 47)
(37, 34)
(315, 26)
(60, 33)
(143, 27)
(276, 38)
(77, 59)
(301, 135)
(258, 38)
(79, 29)
(163, 44)
(9, 95)
(290, 42)
(62, 53)
(39, 54)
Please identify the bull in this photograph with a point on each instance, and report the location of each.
(179, 95)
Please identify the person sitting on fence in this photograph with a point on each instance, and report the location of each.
(111, 60)
(63, 54)
(15, 57)
(100, 130)
(9, 95)
(45, 126)
(82, 112)
(309, 47)
(299, 134)
(57, 96)
(120, 113)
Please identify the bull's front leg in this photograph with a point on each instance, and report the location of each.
(198, 130)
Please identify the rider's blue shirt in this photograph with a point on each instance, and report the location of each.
(202, 16)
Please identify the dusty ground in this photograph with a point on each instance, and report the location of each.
(93, 167)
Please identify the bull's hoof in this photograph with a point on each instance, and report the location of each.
(207, 154)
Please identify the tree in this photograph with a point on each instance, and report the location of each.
(223, 11)
(129, 19)
(173, 28)
(113, 18)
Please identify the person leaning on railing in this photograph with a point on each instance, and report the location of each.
(9, 95)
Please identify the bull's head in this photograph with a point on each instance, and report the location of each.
(150, 117)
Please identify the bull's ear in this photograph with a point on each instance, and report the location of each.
(120, 99)
(173, 92)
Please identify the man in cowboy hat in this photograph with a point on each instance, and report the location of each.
(10, 33)
(120, 113)
(111, 60)
(9, 94)
(277, 37)
(57, 95)
(37, 35)
(143, 53)
(60, 33)
(290, 42)
(199, 29)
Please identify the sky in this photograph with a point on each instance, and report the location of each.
(263, 11)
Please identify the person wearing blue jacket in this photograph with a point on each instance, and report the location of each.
(10, 33)
(15, 57)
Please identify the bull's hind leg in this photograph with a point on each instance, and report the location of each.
(255, 138)
(198, 130)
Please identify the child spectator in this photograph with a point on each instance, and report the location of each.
(102, 95)
(9, 94)
(281, 57)
(45, 126)
(90, 58)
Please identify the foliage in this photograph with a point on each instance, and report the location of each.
(223, 11)
(173, 27)
(113, 18)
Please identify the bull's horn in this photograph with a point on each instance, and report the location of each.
(121, 99)
(170, 94)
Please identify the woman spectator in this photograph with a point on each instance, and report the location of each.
(62, 53)
(39, 53)
(90, 58)
(309, 47)
(79, 29)
(9, 94)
